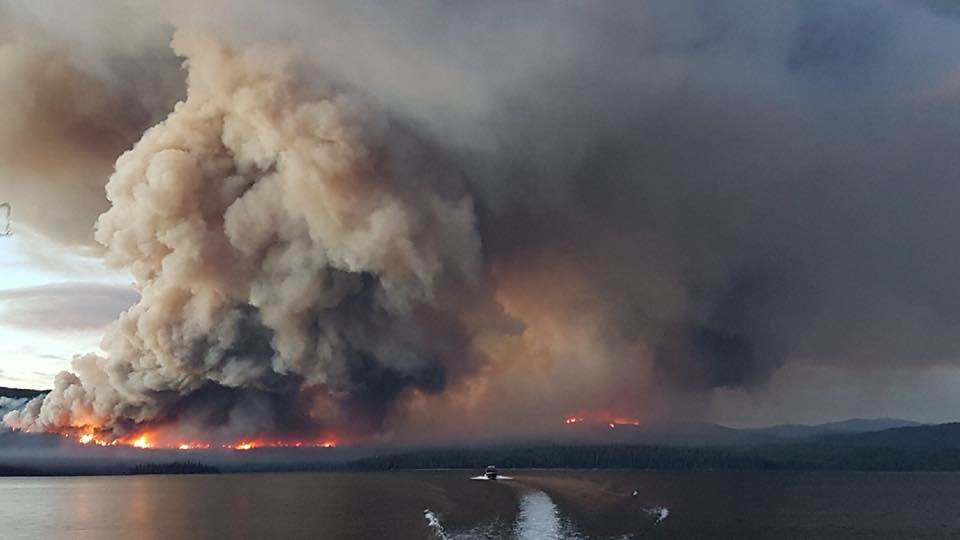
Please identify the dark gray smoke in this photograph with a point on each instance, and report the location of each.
(435, 217)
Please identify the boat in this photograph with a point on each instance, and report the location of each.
(491, 473)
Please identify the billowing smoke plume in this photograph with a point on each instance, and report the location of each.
(434, 218)
(8, 404)
(281, 241)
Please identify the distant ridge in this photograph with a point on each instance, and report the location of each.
(853, 425)
(707, 434)
(932, 437)
(20, 392)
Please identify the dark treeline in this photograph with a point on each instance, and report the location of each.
(17, 393)
(7, 470)
(921, 448)
(174, 468)
(772, 457)
(78, 469)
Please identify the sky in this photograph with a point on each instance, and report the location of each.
(415, 218)
(51, 310)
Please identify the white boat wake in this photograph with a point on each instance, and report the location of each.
(484, 531)
(434, 523)
(500, 477)
(660, 511)
(538, 519)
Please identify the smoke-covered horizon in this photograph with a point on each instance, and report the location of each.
(422, 221)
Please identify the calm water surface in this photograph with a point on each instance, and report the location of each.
(449, 504)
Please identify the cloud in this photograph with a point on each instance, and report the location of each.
(71, 102)
(64, 306)
(816, 393)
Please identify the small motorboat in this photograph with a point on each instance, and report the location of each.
(491, 472)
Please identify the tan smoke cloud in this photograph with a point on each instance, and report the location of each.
(56, 139)
(64, 119)
(572, 356)
(272, 245)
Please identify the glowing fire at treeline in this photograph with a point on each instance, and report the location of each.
(147, 440)
(601, 418)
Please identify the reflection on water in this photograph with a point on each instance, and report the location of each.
(541, 505)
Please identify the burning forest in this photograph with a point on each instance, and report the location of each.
(345, 228)
(277, 255)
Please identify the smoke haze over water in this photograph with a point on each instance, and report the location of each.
(420, 220)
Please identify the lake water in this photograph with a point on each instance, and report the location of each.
(449, 504)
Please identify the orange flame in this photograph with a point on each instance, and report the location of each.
(149, 440)
(252, 444)
(141, 442)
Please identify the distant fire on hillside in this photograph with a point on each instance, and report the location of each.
(612, 421)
